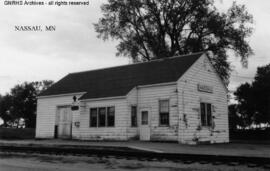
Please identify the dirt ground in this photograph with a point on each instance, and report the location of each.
(31, 162)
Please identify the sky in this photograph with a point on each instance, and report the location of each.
(74, 46)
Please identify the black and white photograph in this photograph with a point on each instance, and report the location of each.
(134, 85)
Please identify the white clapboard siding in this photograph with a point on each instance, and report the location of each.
(184, 99)
(46, 114)
(132, 99)
(118, 132)
(76, 129)
(189, 100)
(148, 97)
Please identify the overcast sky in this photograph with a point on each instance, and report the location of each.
(33, 56)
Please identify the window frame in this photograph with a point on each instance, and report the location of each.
(160, 113)
(90, 117)
(107, 110)
(99, 109)
(147, 118)
(98, 117)
(208, 120)
(134, 114)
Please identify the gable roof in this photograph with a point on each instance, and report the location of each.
(118, 81)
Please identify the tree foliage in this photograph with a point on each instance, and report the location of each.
(151, 29)
(5, 108)
(234, 118)
(21, 102)
(254, 98)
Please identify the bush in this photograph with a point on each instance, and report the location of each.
(17, 133)
(252, 134)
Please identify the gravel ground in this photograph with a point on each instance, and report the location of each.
(31, 162)
(232, 149)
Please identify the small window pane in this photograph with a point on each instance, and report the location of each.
(164, 118)
(133, 116)
(203, 116)
(93, 117)
(101, 117)
(144, 118)
(110, 116)
(209, 114)
(164, 106)
(206, 114)
(164, 112)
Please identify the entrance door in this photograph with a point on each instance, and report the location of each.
(64, 124)
(145, 125)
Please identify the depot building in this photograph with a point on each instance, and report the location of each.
(179, 99)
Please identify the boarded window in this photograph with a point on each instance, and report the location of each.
(134, 116)
(206, 114)
(164, 112)
(102, 117)
(110, 116)
(93, 117)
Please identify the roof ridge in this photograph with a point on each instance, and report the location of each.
(155, 60)
(178, 56)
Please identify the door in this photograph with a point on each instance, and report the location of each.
(145, 125)
(64, 124)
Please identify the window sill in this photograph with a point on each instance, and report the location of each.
(206, 127)
(164, 125)
(104, 127)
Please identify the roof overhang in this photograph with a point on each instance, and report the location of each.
(157, 85)
(61, 95)
(103, 98)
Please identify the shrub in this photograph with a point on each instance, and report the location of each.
(17, 133)
(252, 134)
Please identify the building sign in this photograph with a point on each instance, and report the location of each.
(75, 104)
(73, 108)
(205, 88)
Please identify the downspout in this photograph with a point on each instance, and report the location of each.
(183, 108)
(137, 110)
(177, 101)
(127, 126)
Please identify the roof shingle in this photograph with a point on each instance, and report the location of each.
(118, 81)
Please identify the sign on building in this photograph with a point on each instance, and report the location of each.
(205, 88)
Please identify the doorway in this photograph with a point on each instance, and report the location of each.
(145, 125)
(64, 122)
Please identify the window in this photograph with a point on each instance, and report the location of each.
(110, 116)
(93, 117)
(144, 117)
(134, 116)
(164, 112)
(102, 117)
(206, 114)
